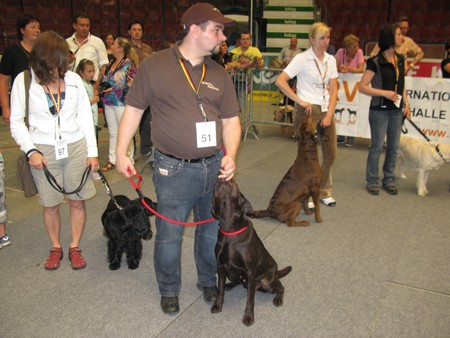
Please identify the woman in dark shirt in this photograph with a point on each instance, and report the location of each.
(15, 58)
(223, 57)
(385, 73)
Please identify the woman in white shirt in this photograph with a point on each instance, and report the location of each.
(316, 97)
(60, 135)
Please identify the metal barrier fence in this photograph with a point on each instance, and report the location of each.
(261, 101)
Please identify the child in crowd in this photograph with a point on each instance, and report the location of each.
(86, 70)
(4, 239)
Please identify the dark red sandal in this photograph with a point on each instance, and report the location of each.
(108, 166)
(52, 262)
(76, 259)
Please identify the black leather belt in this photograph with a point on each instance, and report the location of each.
(194, 160)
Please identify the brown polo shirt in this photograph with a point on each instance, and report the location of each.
(161, 83)
(142, 52)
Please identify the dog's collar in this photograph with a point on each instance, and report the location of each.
(234, 232)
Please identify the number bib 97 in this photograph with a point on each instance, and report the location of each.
(61, 150)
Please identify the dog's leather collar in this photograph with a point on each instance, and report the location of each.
(234, 232)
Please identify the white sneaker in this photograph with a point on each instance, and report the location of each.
(311, 205)
(4, 241)
(328, 201)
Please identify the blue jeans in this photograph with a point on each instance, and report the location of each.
(183, 187)
(383, 123)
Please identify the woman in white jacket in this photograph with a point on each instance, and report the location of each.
(60, 135)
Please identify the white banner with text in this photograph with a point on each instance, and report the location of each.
(430, 108)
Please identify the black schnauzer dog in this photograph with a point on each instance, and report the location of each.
(125, 228)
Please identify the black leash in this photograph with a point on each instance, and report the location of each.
(405, 131)
(52, 180)
(111, 196)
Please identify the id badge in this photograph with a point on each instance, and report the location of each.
(61, 150)
(398, 101)
(324, 107)
(206, 134)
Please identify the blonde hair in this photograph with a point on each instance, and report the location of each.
(350, 40)
(128, 50)
(318, 30)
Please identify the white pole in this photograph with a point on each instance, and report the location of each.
(251, 17)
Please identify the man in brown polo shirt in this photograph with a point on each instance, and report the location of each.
(195, 118)
(136, 31)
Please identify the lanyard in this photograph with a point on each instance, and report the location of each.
(56, 103)
(323, 77)
(397, 71)
(196, 90)
(320, 72)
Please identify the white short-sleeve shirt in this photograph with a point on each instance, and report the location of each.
(313, 76)
(92, 49)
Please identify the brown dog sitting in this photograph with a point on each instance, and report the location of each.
(241, 255)
(301, 181)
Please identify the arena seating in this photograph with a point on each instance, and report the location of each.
(428, 19)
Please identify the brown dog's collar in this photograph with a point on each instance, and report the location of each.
(234, 232)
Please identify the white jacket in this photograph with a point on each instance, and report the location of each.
(75, 116)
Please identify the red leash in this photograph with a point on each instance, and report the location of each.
(137, 187)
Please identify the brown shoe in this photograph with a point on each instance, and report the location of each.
(76, 259)
(52, 262)
(390, 188)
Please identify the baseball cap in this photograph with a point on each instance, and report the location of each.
(202, 12)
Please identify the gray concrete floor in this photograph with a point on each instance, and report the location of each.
(378, 266)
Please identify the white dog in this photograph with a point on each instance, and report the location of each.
(422, 157)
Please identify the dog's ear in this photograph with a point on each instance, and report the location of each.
(248, 209)
(217, 199)
(151, 204)
(113, 224)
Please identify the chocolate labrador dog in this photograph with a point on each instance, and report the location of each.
(301, 181)
(241, 255)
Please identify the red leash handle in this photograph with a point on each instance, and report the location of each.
(137, 187)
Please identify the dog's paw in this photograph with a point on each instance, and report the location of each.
(216, 308)
(248, 320)
(278, 300)
(114, 265)
(422, 192)
(133, 264)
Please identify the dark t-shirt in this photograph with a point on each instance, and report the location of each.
(445, 74)
(161, 83)
(14, 61)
